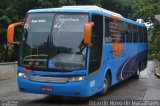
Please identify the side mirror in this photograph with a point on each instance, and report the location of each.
(88, 33)
(10, 32)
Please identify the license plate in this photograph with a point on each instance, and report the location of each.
(47, 89)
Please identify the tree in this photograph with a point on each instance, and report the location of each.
(145, 9)
(7, 16)
(15, 10)
(122, 7)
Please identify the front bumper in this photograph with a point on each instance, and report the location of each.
(78, 89)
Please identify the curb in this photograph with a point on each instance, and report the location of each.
(7, 63)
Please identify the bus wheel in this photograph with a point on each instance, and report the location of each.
(106, 85)
(136, 76)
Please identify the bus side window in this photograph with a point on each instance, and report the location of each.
(145, 35)
(123, 32)
(135, 33)
(117, 31)
(141, 34)
(128, 32)
(97, 43)
(107, 30)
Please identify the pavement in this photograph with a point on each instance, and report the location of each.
(8, 70)
(133, 92)
(7, 76)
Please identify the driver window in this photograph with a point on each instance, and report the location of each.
(97, 43)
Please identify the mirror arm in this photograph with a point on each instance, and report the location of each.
(89, 45)
(16, 43)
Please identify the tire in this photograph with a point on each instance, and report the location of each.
(136, 76)
(106, 85)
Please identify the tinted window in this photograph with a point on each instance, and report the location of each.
(107, 30)
(97, 42)
(135, 33)
(145, 35)
(128, 32)
(141, 34)
(116, 29)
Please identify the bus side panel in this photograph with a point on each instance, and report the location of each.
(111, 62)
(127, 63)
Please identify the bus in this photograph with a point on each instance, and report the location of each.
(78, 51)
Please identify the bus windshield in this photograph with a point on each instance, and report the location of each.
(53, 41)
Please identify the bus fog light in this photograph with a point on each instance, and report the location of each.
(76, 78)
(20, 74)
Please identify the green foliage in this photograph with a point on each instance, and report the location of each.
(154, 42)
(122, 7)
(15, 10)
(154, 56)
(145, 8)
(12, 11)
(7, 16)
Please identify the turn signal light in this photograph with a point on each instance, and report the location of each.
(27, 70)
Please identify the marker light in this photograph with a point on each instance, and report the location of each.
(76, 78)
(20, 74)
(27, 70)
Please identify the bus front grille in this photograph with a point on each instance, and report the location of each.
(48, 79)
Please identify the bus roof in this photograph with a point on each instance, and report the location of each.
(89, 9)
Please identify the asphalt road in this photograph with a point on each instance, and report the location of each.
(146, 89)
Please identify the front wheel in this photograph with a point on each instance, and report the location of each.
(137, 74)
(106, 85)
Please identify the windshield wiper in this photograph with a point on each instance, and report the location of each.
(59, 60)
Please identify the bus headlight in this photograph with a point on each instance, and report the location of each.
(21, 74)
(76, 78)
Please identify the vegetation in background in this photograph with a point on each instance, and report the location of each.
(14, 11)
(147, 9)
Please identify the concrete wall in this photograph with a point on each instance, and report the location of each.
(8, 70)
